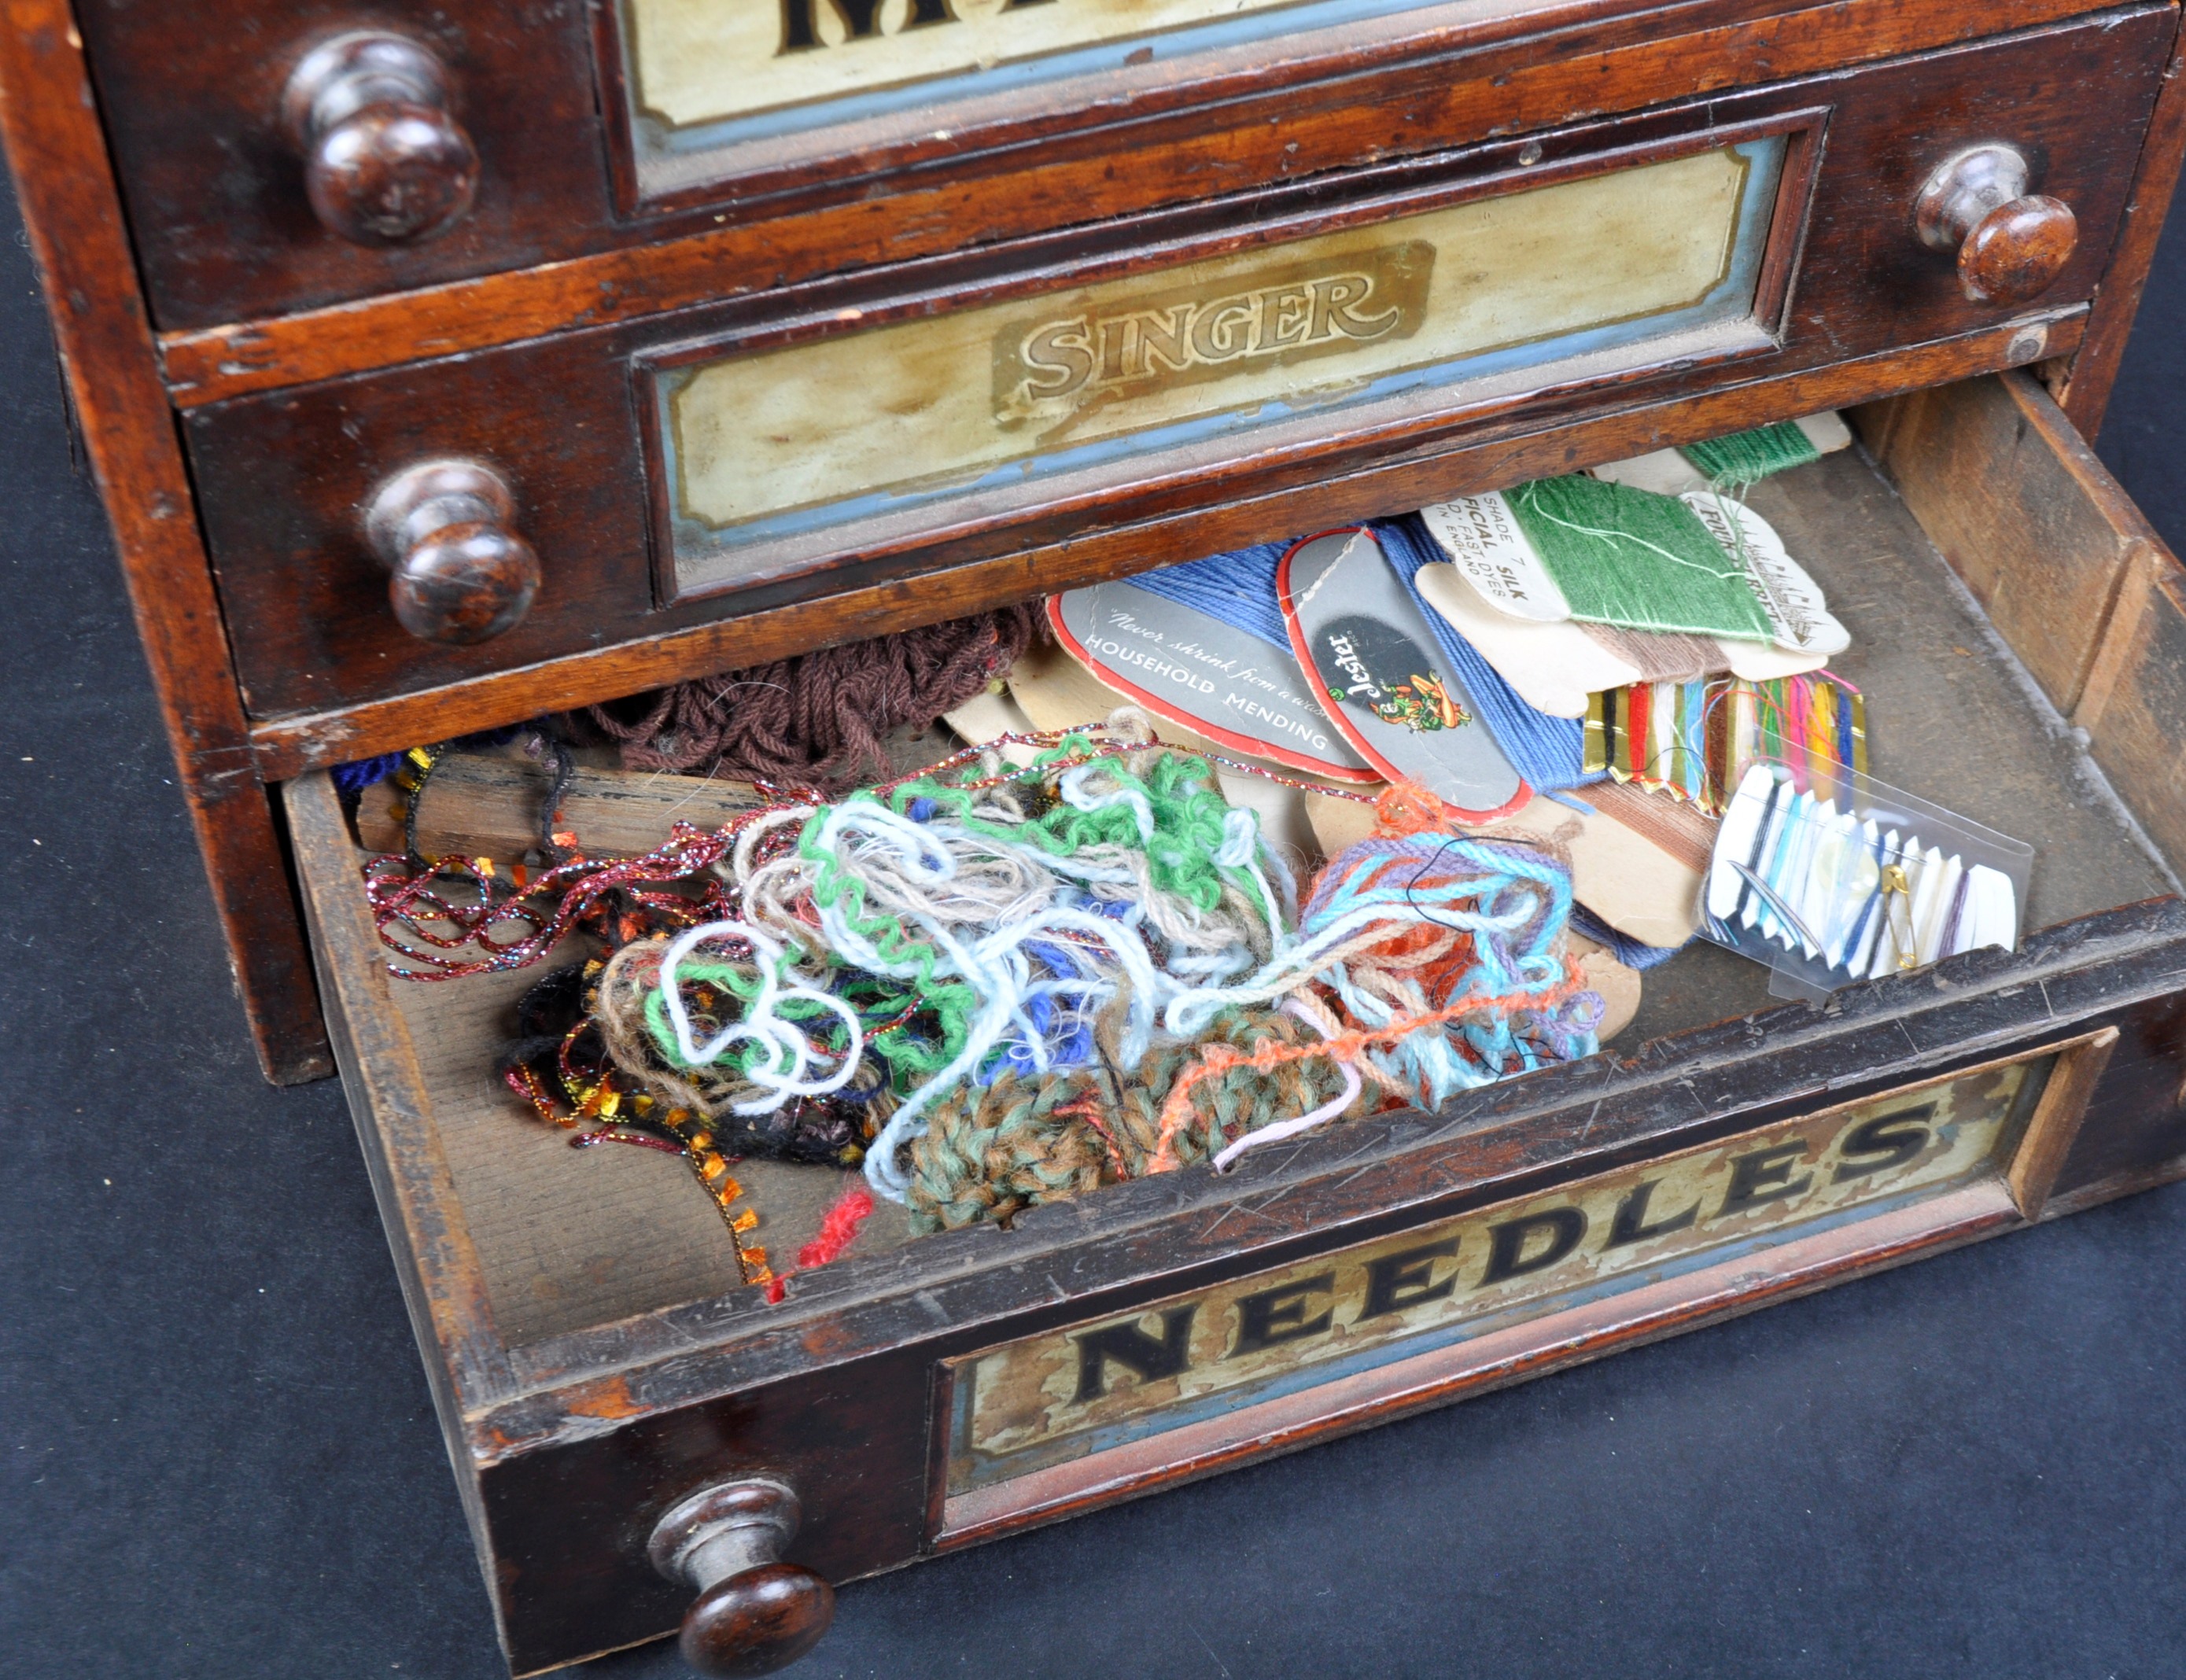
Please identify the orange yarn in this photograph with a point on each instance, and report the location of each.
(1406, 808)
(1218, 1059)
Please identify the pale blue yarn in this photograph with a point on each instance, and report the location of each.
(1239, 589)
(1514, 892)
(1010, 965)
(1627, 950)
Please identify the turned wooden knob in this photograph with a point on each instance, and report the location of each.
(753, 1613)
(459, 574)
(385, 162)
(2012, 245)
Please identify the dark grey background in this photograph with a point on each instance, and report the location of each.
(220, 1459)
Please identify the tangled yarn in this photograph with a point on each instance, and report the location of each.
(1096, 925)
(943, 934)
(1009, 986)
(816, 720)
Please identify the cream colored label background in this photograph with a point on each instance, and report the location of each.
(705, 60)
(1023, 1394)
(910, 405)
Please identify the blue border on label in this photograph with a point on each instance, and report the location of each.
(1064, 64)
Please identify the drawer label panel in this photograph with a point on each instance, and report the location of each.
(778, 456)
(706, 80)
(1066, 1394)
(697, 62)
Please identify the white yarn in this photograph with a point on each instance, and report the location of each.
(781, 1037)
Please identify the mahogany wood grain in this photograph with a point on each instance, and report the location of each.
(52, 130)
(2010, 242)
(385, 162)
(756, 1622)
(457, 571)
(2015, 255)
(281, 474)
(1567, 62)
(2092, 370)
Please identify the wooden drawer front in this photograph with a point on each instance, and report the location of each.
(1191, 381)
(1800, 1195)
(602, 126)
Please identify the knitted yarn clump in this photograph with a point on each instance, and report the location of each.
(988, 1152)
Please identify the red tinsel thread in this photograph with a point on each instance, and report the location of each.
(836, 1232)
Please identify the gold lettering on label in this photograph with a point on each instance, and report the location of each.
(928, 405)
(1047, 369)
(1061, 1394)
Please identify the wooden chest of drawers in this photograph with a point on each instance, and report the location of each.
(727, 330)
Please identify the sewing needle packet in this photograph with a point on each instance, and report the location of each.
(1831, 879)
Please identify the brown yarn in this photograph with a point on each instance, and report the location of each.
(816, 720)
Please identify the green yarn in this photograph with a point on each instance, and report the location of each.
(1639, 561)
(1188, 812)
(1746, 458)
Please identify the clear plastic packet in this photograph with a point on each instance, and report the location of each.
(1831, 877)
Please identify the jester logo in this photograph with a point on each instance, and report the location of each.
(1359, 659)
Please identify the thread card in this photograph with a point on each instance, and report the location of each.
(1212, 678)
(1799, 617)
(1831, 878)
(1626, 577)
(1673, 471)
(1370, 660)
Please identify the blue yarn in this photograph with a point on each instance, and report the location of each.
(1549, 753)
(1624, 947)
(1237, 588)
(353, 779)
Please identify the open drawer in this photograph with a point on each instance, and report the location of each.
(613, 1399)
